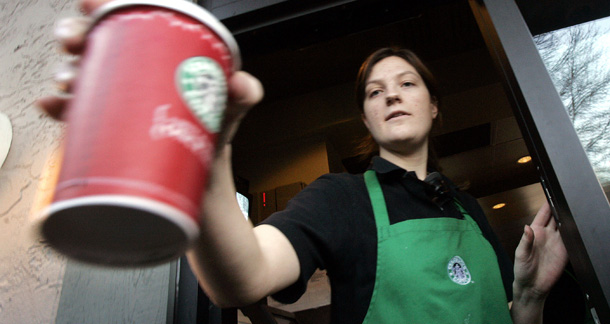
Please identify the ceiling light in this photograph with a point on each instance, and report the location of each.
(524, 159)
(498, 206)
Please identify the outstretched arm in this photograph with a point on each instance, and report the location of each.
(540, 260)
(236, 264)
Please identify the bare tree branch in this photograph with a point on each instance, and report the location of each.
(581, 75)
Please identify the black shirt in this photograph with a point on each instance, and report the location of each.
(331, 226)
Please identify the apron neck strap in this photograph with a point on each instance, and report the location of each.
(380, 209)
(377, 200)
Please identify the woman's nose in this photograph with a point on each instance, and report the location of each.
(392, 99)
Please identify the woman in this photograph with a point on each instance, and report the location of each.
(396, 250)
(419, 248)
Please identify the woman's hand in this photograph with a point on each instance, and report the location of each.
(541, 256)
(540, 260)
(244, 90)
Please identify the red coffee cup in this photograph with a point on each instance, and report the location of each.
(141, 133)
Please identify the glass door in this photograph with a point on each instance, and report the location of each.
(578, 61)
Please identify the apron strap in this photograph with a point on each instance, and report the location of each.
(460, 207)
(380, 209)
(377, 199)
(464, 212)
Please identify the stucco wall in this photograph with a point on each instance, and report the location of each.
(30, 273)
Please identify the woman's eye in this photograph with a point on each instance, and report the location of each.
(407, 84)
(374, 93)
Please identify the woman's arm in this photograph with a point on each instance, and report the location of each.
(540, 260)
(236, 264)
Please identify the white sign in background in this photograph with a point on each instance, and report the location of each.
(6, 137)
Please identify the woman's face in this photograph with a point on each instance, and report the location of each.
(398, 110)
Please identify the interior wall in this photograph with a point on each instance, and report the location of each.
(298, 161)
(296, 118)
(291, 140)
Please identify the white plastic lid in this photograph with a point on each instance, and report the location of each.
(185, 7)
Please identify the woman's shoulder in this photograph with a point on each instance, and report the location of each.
(335, 187)
(341, 177)
(339, 181)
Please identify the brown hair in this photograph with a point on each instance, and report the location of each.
(368, 147)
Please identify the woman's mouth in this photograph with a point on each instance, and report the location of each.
(397, 114)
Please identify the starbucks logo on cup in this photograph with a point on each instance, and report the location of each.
(202, 85)
(458, 271)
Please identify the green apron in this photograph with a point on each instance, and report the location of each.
(433, 270)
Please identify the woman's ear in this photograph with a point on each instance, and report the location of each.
(434, 108)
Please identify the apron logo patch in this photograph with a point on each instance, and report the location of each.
(458, 271)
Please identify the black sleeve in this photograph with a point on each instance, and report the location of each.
(504, 261)
(311, 222)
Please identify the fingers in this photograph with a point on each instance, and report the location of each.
(88, 6)
(543, 216)
(527, 241)
(553, 224)
(71, 33)
(54, 106)
(245, 90)
(64, 78)
(65, 75)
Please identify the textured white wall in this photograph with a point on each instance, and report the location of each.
(30, 273)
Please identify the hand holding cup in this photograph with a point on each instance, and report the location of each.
(147, 112)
